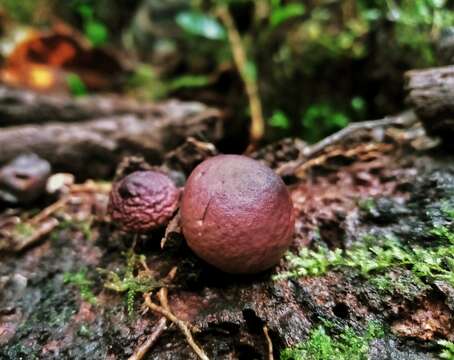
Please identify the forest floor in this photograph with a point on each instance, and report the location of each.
(375, 211)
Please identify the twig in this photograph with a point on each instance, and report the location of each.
(88, 186)
(162, 323)
(257, 129)
(42, 223)
(407, 118)
(181, 324)
(48, 211)
(44, 228)
(151, 340)
(270, 343)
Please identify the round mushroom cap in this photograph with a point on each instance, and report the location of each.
(237, 214)
(143, 200)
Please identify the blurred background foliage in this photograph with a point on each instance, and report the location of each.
(318, 64)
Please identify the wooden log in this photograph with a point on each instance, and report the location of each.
(431, 94)
(18, 107)
(93, 148)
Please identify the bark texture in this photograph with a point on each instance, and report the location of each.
(431, 94)
(93, 148)
(18, 107)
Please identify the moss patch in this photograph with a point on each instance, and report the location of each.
(323, 344)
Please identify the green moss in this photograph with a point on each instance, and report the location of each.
(447, 349)
(84, 226)
(131, 281)
(405, 283)
(425, 264)
(79, 279)
(323, 346)
(367, 205)
(84, 331)
(23, 230)
(443, 233)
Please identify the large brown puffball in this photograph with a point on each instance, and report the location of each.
(236, 214)
(143, 200)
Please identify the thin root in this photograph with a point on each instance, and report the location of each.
(150, 341)
(270, 343)
(181, 324)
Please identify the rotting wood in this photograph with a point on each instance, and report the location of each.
(19, 107)
(93, 148)
(431, 94)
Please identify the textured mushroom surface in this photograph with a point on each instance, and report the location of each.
(143, 200)
(236, 214)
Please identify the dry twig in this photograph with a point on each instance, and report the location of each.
(405, 119)
(39, 231)
(311, 155)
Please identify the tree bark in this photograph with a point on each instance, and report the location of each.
(18, 107)
(94, 147)
(431, 94)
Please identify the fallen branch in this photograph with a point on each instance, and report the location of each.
(94, 148)
(19, 106)
(311, 154)
(405, 119)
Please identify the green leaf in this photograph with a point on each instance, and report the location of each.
(283, 13)
(96, 32)
(85, 11)
(189, 81)
(76, 85)
(199, 24)
(358, 104)
(279, 120)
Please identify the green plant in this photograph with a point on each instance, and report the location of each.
(367, 205)
(418, 23)
(448, 210)
(348, 345)
(427, 264)
(279, 120)
(94, 29)
(443, 233)
(448, 349)
(23, 230)
(80, 280)
(280, 12)
(403, 282)
(322, 119)
(197, 23)
(135, 279)
(20, 10)
(76, 85)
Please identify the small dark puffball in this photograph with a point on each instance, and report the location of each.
(237, 214)
(143, 200)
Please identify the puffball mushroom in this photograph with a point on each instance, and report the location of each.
(143, 200)
(236, 214)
